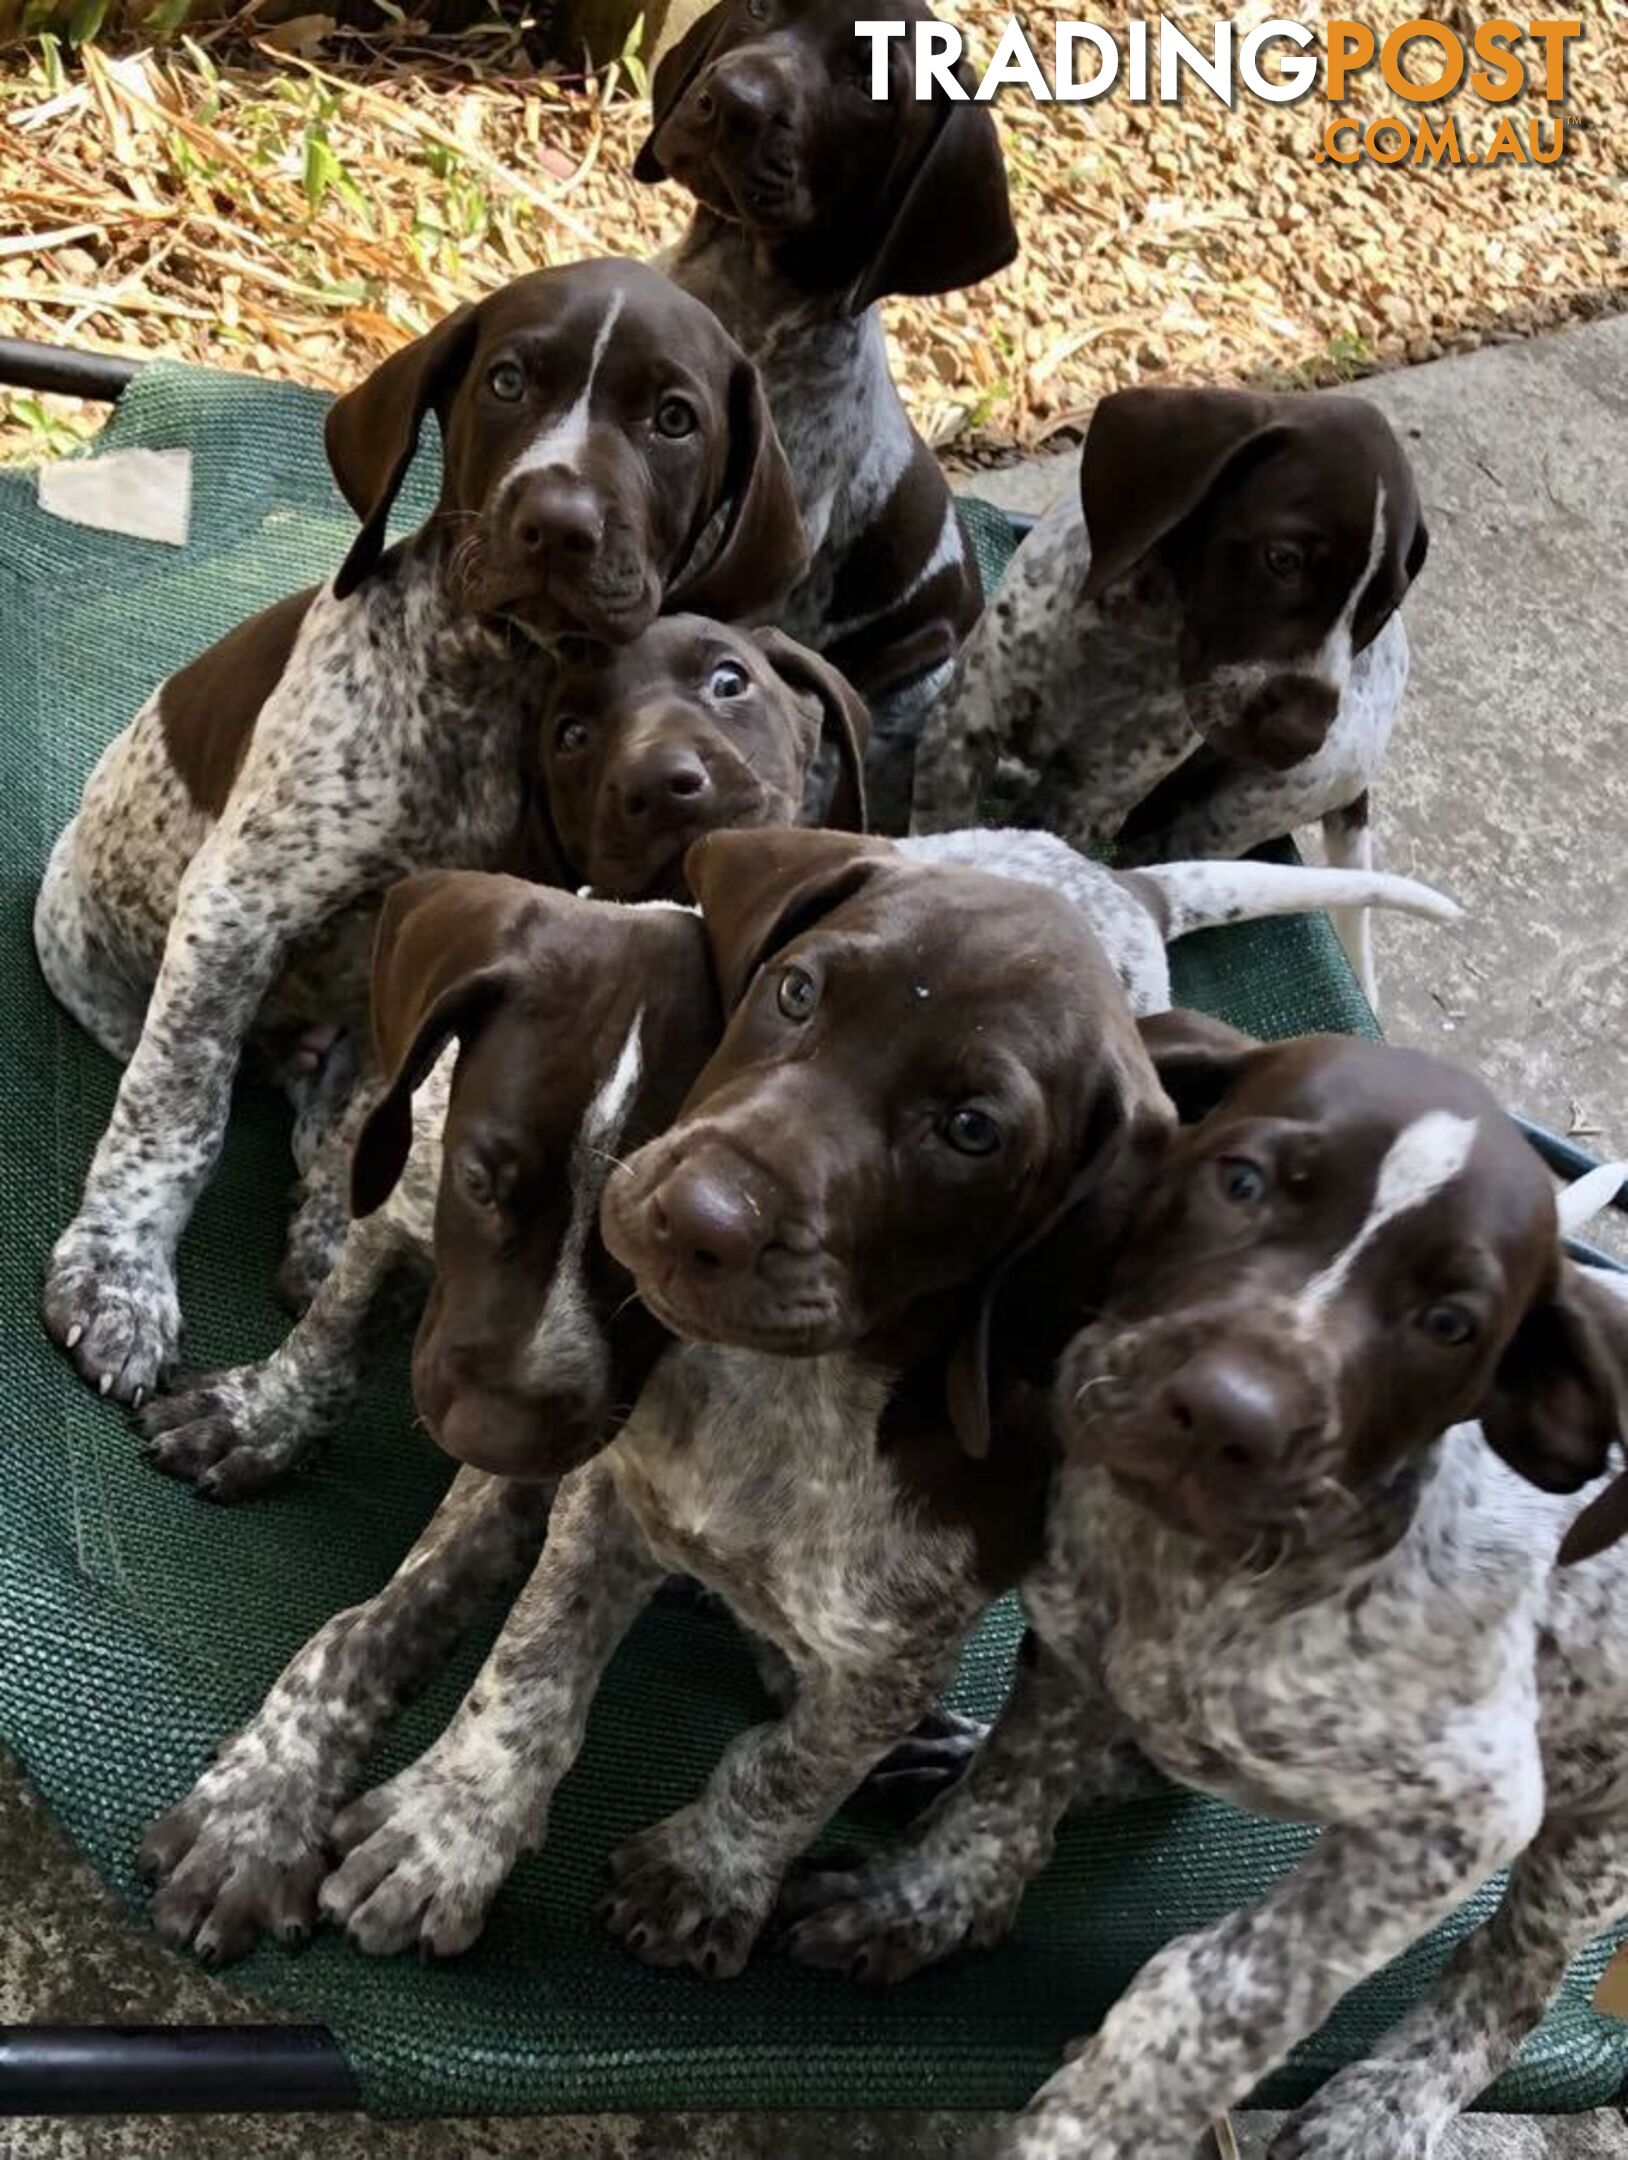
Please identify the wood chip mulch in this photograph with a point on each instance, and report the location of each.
(299, 202)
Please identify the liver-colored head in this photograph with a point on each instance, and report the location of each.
(1347, 1249)
(579, 1026)
(607, 453)
(918, 1063)
(763, 111)
(1289, 529)
(693, 728)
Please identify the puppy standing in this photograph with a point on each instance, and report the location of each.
(815, 202)
(607, 453)
(1227, 582)
(1281, 1568)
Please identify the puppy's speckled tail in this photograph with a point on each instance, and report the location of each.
(1201, 895)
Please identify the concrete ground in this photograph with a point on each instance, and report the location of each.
(1507, 786)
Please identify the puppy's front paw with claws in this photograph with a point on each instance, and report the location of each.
(680, 1898)
(228, 1434)
(423, 1862)
(242, 1855)
(112, 1305)
(883, 1920)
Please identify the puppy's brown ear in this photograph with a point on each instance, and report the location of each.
(758, 889)
(443, 961)
(675, 71)
(1198, 1060)
(1041, 1293)
(763, 548)
(1151, 457)
(948, 215)
(1559, 1403)
(845, 722)
(372, 432)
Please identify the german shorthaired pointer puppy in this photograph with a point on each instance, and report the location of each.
(608, 452)
(1217, 612)
(817, 1221)
(1283, 1567)
(815, 201)
(579, 1026)
(692, 727)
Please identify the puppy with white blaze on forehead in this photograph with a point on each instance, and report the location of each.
(1201, 651)
(607, 455)
(1332, 1540)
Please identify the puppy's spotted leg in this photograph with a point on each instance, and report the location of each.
(110, 1296)
(960, 1877)
(1568, 1887)
(247, 1849)
(1209, 2016)
(427, 1853)
(232, 1433)
(698, 1889)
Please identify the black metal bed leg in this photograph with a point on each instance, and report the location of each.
(64, 2070)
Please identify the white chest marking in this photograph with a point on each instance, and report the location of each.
(1419, 1162)
(564, 441)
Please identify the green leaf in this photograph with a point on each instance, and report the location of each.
(322, 169)
(85, 20)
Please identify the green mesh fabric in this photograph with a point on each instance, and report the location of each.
(136, 1627)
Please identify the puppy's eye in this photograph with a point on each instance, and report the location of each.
(798, 993)
(970, 1131)
(675, 418)
(1448, 1324)
(570, 734)
(758, 10)
(1242, 1182)
(729, 680)
(1285, 561)
(507, 380)
(477, 1181)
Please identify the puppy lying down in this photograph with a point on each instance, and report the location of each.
(231, 1433)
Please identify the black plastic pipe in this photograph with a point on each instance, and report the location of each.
(26, 364)
(172, 2070)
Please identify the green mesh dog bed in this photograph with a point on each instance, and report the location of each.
(136, 1626)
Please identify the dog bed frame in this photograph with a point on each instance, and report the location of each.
(138, 1626)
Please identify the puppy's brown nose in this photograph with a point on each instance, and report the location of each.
(1229, 1411)
(667, 785)
(743, 98)
(1288, 720)
(553, 515)
(708, 1220)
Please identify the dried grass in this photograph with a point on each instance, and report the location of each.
(299, 203)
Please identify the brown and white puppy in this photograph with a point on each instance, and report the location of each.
(608, 452)
(692, 728)
(1283, 1566)
(529, 1038)
(816, 201)
(1224, 590)
(978, 1063)
(823, 1495)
